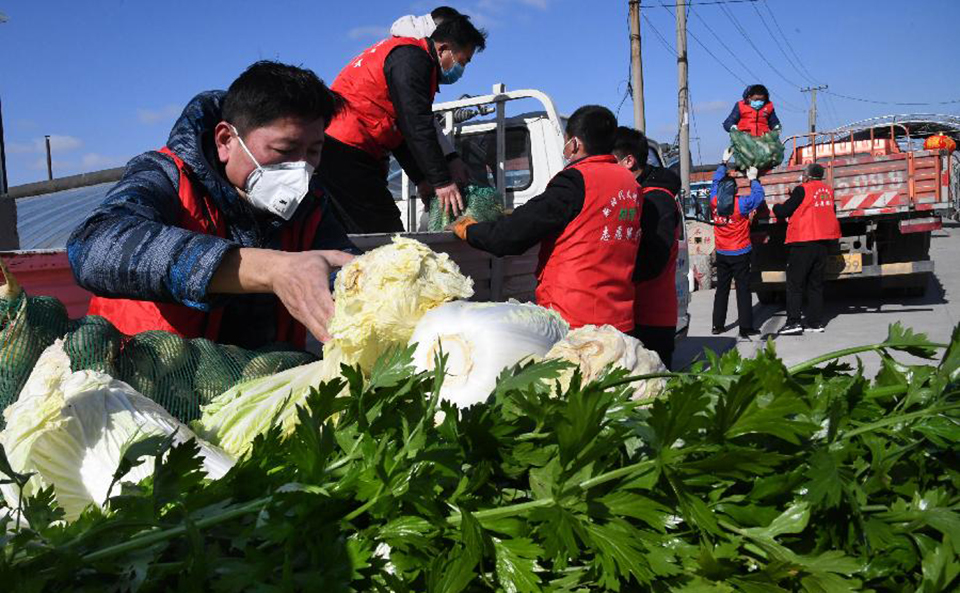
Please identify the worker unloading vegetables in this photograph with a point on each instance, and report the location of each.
(587, 223)
(224, 233)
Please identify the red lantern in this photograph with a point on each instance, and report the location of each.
(940, 142)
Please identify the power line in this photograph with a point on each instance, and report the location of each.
(660, 35)
(786, 40)
(894, 103)
(707, 3)
(778, 44)
(788, 106)
(743, 32)
(727, 47)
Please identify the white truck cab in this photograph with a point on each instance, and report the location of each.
(520, 153)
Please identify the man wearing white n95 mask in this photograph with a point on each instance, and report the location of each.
(224, 233)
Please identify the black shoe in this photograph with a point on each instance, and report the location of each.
(792, 329)
(818, 328)
(716, 330)
(748, 333)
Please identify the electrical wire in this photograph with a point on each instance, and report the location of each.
(727, 47)
(895, 103)
(708, 2)
(660, 36)
(743, 32)
(787, 105)
(778, 44)
(786, 40)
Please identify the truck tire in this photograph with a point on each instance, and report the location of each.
(769, 297)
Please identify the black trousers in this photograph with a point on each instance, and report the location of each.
(357, 183)
(805, 264)
(660, 339)
(733, 267)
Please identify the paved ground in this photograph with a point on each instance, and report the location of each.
(854, 315)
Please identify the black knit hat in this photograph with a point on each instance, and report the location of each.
(814, 171)
(756, 89)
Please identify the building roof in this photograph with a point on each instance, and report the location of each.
(46, 221)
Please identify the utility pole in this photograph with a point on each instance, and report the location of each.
(683, 96)
(49, 160)
(636, 68)
(4, 188)
(813, 104)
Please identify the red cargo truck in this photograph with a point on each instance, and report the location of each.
(889, 193)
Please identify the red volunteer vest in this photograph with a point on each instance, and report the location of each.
(656, 302)
(755, 122)
(369, 119)
(586, 272)
(731, 233)
(815, 219)
(200, 215)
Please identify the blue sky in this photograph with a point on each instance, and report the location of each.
(107, 78)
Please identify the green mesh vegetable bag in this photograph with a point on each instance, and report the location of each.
(482, 202)
(764, 152)
(28, 324)
(181, 375)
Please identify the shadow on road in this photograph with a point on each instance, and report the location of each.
(691, 349)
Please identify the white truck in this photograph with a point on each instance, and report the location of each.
(511, 140)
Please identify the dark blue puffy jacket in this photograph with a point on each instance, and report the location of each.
(130, 247)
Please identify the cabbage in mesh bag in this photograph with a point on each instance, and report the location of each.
(483, 203)
(179, 374)
(764, 152)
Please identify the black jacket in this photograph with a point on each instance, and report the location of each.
(659, 220)
(541, 217)
(786, 209)
(409, 71)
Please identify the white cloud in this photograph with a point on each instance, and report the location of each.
(368, 32)
(711, 106)
(152, 116)
(93, 160)
(20, 147)
(59, 166)
(58, 143)
(62, 143)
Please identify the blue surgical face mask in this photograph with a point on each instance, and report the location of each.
(757, 104)
(453, 74)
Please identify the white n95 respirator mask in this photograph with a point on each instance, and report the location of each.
(278, 188)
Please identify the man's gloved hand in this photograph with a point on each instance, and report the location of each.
(459, 227)
(727, 154)
(752, 173)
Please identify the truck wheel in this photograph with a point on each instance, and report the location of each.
(768, 297)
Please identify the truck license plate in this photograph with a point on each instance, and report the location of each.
(848, 263)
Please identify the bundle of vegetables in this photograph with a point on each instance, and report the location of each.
(479, 341)
(483, 203)
(178, 374)
(70, 431)
(379, 298)
(593, 349)
(749, 476)
(764, 152)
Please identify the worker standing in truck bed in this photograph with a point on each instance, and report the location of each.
(389, 91)
(587, 223)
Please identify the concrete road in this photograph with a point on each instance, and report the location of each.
(855, 314)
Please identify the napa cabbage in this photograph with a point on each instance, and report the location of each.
(480, 340)
(593, 349)
(71, 430)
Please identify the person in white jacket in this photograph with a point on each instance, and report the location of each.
(419, 27)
